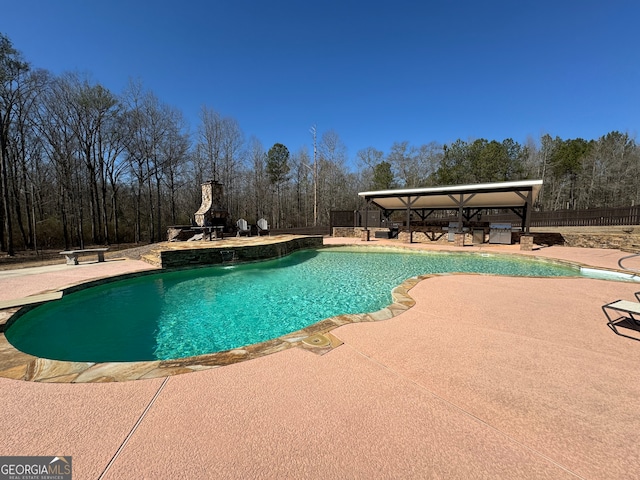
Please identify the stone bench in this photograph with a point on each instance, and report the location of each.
(72, 255)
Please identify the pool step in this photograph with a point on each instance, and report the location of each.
(153, 258)
(31, 299)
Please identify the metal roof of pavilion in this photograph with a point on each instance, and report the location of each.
(481, 195)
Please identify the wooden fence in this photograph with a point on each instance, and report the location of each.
(592, 217)
(560, 218)
(355, 218)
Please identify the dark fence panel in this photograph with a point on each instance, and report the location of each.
(351, 218)
(343, 218)
(586, 218)
(559, 218)
(592, 217)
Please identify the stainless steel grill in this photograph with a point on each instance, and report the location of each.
(500, 233)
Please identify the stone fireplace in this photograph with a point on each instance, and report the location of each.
(212, 212)
(209, 221)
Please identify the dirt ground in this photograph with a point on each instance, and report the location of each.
(29, 258)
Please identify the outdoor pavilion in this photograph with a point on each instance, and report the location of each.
(468, 200)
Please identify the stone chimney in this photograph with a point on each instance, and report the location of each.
(212, 211)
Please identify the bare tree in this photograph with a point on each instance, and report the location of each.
(209, 143)
(368, 159)
(332, 157)
(148, 122)
(24, 152)
(12, 69)
(219, 151)
(259, 184)
(404, 165)
(61, 144)
(231, 160)
(175, 151)
(93, 111)
(304, 194)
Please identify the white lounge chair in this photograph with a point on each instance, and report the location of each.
(243, 228)
(628, 316)
(263, 227)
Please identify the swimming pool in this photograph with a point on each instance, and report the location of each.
(184, 313)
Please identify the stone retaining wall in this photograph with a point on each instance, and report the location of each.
(585, 240)
(235, 254)
(430, 237)
(354, 232)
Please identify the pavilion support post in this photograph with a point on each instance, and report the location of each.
(365, 231)
(526, 239)
(526, 214)
(526, 242)
(460, 214)
(410, 234)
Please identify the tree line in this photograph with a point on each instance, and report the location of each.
(80, 164)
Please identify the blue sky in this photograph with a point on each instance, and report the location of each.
(374, 72)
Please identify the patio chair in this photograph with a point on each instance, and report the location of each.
(263, 227)
(628, 316)
(243, 228)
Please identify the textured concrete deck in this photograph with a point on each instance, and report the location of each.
(485, 377)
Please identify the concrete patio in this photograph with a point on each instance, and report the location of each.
(485, 377)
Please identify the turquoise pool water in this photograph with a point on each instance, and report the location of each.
(178, 314)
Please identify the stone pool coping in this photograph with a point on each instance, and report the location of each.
(316, 338)
(18, 365)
